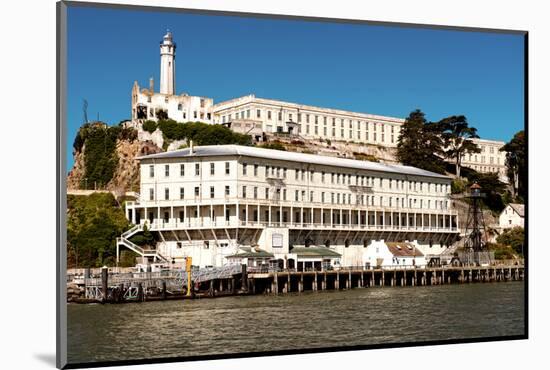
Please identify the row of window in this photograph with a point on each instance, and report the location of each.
(301, 174)
(474, 158)
(328, 198)
(197, 169)
(346, 179)
(153, 112)
(308, 118)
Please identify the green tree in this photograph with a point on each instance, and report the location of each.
(514, 238)
(420, 144)
(516, 152)
(457, 138)
(93, 224)
(492, 187)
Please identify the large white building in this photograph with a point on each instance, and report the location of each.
(214, 203)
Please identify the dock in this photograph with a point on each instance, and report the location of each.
(234, 280)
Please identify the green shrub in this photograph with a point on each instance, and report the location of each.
(277, 145)
(515, 238)
(149, 126)
(458, 186)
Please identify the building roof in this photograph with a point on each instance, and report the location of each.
(255, 152)
(249, 252)
(403, 249)
(518, 208)
(314, 252)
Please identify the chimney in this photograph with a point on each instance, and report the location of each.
(151, 85)
(191, 148)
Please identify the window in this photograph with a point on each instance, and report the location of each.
(211, 192)
(244, 169)
(197, 192)
(280, 116)
(227, 168)
(227, 190)
(255, 170)
(197, 169)
(151, 171)
(182, 170)
(166, 194)
(212, 169)
(151, 194)
(296, 195)
(268, 114)
(182, 193)
(248, 113)
(180, 107)
(244, 191)
(258, 113)
(256, 192)
(284, 194)
(266, 193)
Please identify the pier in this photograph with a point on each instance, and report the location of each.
(240, 280)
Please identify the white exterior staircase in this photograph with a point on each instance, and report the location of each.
(147, 253)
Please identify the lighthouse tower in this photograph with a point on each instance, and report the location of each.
(167, 65)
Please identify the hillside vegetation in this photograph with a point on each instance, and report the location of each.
(93, 224)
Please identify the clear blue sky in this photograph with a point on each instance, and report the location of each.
(374, 69)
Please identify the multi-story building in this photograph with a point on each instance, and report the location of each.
(310, 122)
(214, 203)
(489, 160)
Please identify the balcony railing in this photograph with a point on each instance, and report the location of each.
(277, 202)
(176, 224)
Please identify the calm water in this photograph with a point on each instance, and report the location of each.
(309, 320)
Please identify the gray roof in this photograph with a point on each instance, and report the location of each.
(314, 252)
(518, 208)
(247, 252)
(250, 151)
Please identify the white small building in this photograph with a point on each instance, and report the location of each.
(513, 215)
(389, 254)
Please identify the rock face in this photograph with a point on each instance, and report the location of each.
(155, 137)
(77, 172)
(126, 174)
(340, 149)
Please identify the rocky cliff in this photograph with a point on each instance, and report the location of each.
(125, 175)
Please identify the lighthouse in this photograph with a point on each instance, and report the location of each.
(167, 65)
